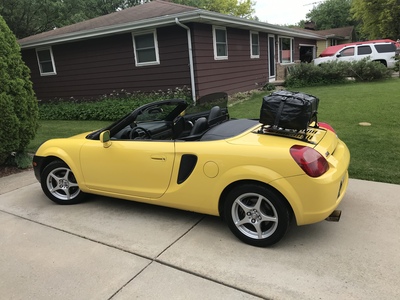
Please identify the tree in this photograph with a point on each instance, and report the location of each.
(235, 8)
(378, 19)
(29, 17)
(331, 14)
(18, 104)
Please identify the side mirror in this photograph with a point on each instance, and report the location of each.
(105, 138)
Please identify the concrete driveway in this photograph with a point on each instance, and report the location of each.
(113, 249)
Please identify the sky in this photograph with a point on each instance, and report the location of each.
(283, 12)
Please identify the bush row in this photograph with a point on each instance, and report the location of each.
(335, 72)
(108, 108)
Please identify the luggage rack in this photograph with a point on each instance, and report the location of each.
(304, 135)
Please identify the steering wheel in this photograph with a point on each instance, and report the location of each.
(139, 133)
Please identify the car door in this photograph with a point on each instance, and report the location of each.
(347, 54)
(138, 168)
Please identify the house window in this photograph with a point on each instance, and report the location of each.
(285, 50)
(254, 45)
(220, 43)
(146, 49)
(46, 61)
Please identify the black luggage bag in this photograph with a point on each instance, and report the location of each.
(289, 110)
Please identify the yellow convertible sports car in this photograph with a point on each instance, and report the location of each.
(255, 179)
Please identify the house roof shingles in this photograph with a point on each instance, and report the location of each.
(153, 9)
(150, 15)
(343, 32)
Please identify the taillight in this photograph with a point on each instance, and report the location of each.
(310, 160)
(326, 126)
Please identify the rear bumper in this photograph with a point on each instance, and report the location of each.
(314, 199)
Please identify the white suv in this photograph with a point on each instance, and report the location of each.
(382, 52)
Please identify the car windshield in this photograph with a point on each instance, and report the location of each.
(167, 112)
(158, 112)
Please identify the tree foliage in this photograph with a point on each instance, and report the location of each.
(29, 17)
(331, 14)
(236, 8)
(378, 19)
(18, 104)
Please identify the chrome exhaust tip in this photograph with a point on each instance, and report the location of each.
(334, 216)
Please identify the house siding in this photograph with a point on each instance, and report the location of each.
(238, 73)
(321, 46)
(91, 68)
(297, 43)
(106, 65)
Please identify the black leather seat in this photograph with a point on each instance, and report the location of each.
(199, 126)
(214, 116)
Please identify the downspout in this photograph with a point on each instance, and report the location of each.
(189, 39)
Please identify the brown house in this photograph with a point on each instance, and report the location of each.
(160, 46)
(335, 36)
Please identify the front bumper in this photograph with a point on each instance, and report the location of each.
(37, 164)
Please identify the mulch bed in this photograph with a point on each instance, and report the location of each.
(9, 170)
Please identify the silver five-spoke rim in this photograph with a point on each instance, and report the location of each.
(61, 183)
(254, 216)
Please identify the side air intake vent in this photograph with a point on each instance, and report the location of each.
(188, 162)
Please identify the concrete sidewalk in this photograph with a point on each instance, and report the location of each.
(112, 249)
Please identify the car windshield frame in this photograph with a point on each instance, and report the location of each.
(153, 110)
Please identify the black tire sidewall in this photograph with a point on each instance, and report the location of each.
(276, 200)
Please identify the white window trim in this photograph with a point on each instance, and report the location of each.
(52, 62)
(280, 50)
(272, 63)
(150, 63)
(216, 57)
(251, 44)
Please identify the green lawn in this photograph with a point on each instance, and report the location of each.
(375, 149)
(59, 129)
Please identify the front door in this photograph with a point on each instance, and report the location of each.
(138, 168)
(271, 57)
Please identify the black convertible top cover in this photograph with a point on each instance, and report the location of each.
(228, 129)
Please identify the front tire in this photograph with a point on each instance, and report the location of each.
(256, 214)
(59, 184)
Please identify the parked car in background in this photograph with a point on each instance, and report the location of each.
(382, 51)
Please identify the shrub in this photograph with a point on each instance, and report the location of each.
(397, 61)
(109, 108)
(305, 74)
(335, 72)
(367, 70)
(21, 160)
(18, 104)
(269, 87)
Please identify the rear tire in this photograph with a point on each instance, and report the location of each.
(59, 184)
(256, 214)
